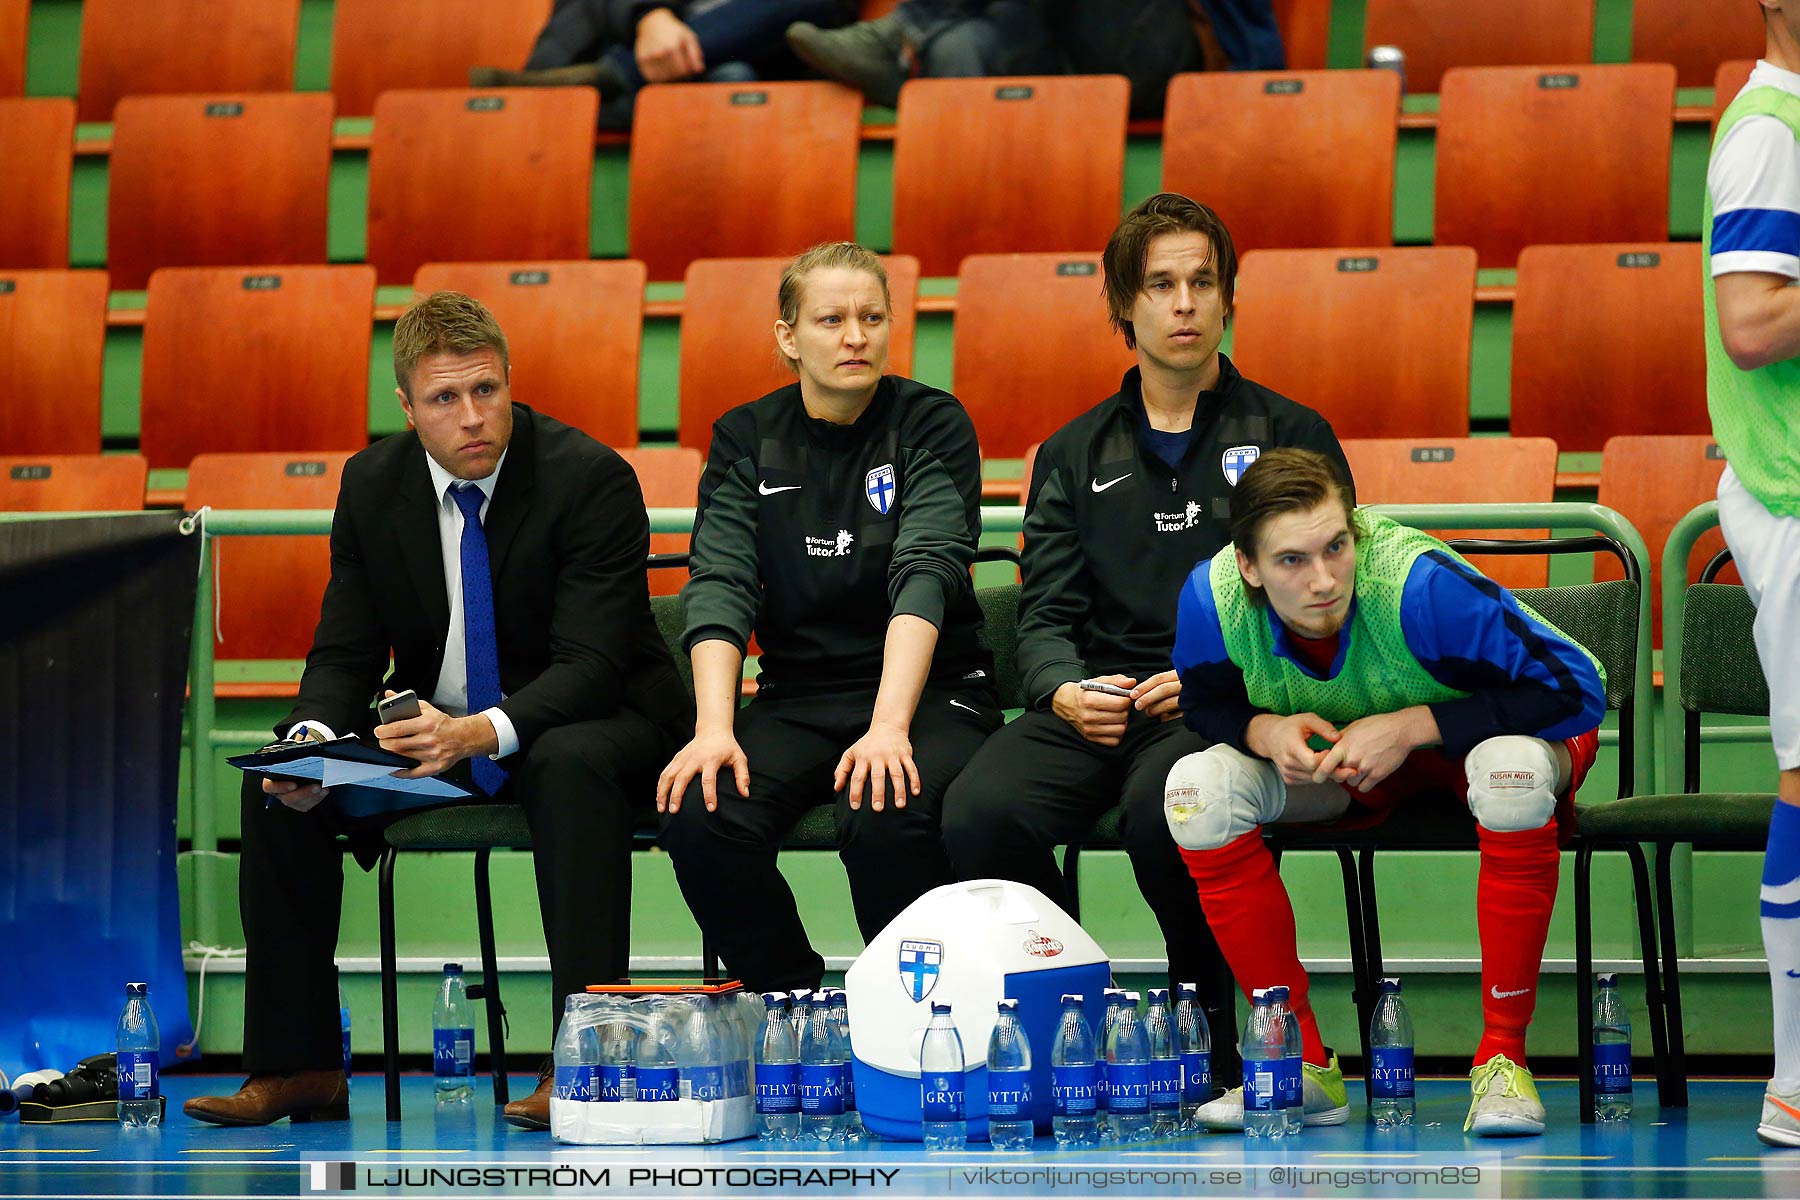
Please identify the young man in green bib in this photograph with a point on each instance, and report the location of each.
(1752, 240)
(1341, 665)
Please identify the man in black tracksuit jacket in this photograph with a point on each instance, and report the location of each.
(1119, 511)
(816, 535)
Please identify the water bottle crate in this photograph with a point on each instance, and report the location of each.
(640, 1123)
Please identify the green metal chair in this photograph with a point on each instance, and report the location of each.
(1719, 673)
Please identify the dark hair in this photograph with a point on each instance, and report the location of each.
(1284, 481)
(1129, 246)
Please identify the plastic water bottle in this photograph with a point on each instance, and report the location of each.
(943, 1117)
(777, 1073)
(1264, 1047)
(839, 1004)
(821, 1074)
(1009, 1082)
(576, 1052)
(344, 1032)
(1196, 1055)
(1391, 1055)
(1292, 1079)
(140, 1059)
(1128, 1075)
(658, 1074)
(700, 1053)
(1165, 1065)
(800, 1011)
(453, 1039)
(616, 1045)
(1114, 999)
(746, 1012)
(1612, 1052)
(1074, 1078)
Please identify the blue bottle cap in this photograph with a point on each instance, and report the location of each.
(1190, 991)
(1262, 996)
(938, 1007)
(137, 989)
(1607, 979)
(453, 968)
(1009, 1005)
(1159, 995)
(1072, 998)
(774, 999)
(1278, 994)
(1390, 987)
(819, 1000)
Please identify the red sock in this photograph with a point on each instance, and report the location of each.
(1253, 920)
(1513, 899)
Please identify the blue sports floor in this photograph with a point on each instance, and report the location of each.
(1707, 1150)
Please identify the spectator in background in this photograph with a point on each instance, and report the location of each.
(1147, 41)
(618, 46)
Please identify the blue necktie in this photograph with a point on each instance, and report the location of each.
(481, 655)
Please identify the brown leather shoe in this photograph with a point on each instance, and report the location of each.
(264, 1099)
(533, 1112)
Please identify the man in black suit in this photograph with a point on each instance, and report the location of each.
(498, 556)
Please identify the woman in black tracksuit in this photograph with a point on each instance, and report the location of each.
(838, 517)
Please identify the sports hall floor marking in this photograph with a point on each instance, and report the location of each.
(1365, 1154)
(1563, 1157)
(240, 1150)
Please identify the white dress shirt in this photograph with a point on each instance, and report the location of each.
(452, 692)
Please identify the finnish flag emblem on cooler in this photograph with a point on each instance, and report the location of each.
(919, 964)
(878, 485)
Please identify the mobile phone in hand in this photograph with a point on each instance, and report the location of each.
(402, 706)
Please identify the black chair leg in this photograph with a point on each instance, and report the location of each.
(490, 976)
(1371, 914)
(1071, 872)
(1584, 980)
(1361, 986)
(1653, 985)
(390, 988)
(1671, 1092)
(709, 958)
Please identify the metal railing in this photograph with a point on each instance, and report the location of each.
(207, 738)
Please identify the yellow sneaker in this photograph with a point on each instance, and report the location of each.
(1327, 1101)
(1505, 1100)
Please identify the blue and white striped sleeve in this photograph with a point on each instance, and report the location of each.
(1754, 182)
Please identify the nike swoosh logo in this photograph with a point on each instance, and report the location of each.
(1789, 1109)
(1500, 995)
(1101, 487)
(765, 489)
(1793, 974)
(965, 707)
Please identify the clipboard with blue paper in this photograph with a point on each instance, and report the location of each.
(359, 773)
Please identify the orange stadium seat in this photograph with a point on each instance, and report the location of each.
(728, 336)
(736, 170)
(1305, 32)
(1727, 83)
(1495, 470)
(1376, 340)
(73, 483)
(1553, 154)
(572, 331)
(1439, 34)
(479, 177)
(275, 358)
(1695, 35)
(129, 47)
(1023, 378)
(875, 8)
(999, 164)
(670, 477)
(378, 45)
(269, 588)
(1655, 481)
(37, 144)
(15, 38)
(1608, 340)
(1306, 158)
(52, 347)
(204, 181)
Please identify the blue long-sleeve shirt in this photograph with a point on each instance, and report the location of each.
(1467, 632)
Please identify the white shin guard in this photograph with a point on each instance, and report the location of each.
(1218, 795)
(1512, 783)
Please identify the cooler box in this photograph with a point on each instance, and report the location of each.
(970, 945)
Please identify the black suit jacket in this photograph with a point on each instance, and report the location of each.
(567, 537)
